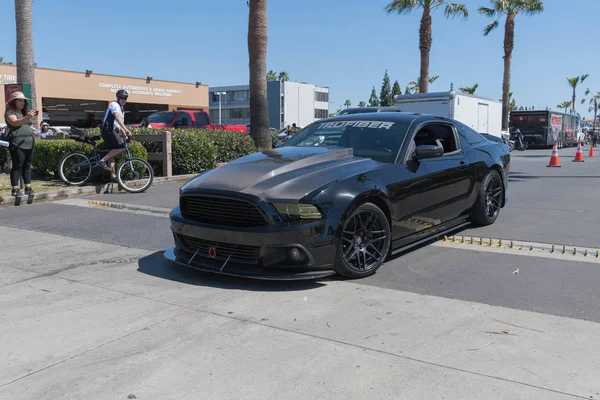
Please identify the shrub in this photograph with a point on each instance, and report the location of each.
(192, 153)
(231, 145)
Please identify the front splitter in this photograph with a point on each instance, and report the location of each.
(249, 272)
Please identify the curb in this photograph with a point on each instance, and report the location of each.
(91, 190)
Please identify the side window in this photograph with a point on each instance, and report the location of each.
(201, 119)
(469, 135)
(437, 134)
(183, 119)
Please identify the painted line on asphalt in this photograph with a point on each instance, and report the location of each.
(122, 207)
(522, 248)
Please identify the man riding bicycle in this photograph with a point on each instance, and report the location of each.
(110, 131)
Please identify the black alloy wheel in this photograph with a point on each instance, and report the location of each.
(489, 201)
(364, 242)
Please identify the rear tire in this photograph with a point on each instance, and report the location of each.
(364, 242)
(82, 168)
(489, 200)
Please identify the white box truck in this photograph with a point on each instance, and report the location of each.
(479, 113)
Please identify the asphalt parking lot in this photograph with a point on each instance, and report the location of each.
(92, 303)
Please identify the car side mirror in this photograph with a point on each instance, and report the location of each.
(428, 151)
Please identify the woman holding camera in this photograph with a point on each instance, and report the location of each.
(18, 122)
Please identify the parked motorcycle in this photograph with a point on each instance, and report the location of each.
(519, 141)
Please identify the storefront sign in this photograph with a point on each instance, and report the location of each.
(141, 90)
(7, 79)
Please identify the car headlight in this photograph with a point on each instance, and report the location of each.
(295, 211)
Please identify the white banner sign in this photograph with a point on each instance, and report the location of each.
(8, 79)
(141, 90)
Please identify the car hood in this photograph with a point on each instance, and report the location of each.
(286, 173)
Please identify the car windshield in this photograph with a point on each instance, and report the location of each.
(163, 117)
(378, 140)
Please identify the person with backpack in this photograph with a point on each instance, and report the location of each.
(20, 136)
(113, 123)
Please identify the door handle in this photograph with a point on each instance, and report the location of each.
(462, 165)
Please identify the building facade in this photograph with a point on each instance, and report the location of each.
(80, 99)
(289, 103)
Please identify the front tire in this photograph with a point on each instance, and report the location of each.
(364, 242)
(489, 200)
(131, 175)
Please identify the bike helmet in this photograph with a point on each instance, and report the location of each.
(122, 94)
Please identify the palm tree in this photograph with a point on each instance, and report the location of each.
(257, 51)
(2, 62)
(510, 9)
(413, 86)
(574, 82)
(271, 76)
(347, 103)
(594, 100)
(564, 105)
(362, 104)
(284, 76)
(469, 89)
(25, 63)
(428, 6)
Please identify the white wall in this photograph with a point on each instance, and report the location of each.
(300, 103)
(467, 111)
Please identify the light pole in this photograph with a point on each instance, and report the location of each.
(220, 94)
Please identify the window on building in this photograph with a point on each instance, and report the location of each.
(241, 95)
(321, 113)
(322, 96)
(239, 113)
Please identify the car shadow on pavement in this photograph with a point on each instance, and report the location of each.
(156, 265)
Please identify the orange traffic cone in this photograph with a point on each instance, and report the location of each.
(579, 154)
(554, 162)
(591, 155)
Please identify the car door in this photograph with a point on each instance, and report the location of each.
(435, 190)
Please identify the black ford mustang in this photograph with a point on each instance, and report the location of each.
(339, 197)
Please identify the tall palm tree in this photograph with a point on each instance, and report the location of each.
(347, 103)
(425, 32)
(574, 82)
(564, 105)
(469, 89)
(257, 51)
(25, 63)
(511, 9)
(283, 76)
(362, 104)
(594, 100)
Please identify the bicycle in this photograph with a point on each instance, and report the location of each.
(80, 165)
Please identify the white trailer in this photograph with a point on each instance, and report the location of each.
(479, 113)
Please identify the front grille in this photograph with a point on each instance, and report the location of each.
(221, 211)
(221, 251)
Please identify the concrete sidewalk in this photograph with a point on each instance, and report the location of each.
(90, 320)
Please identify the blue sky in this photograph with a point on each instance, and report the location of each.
(346, 45)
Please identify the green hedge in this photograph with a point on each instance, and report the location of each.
(194, 150)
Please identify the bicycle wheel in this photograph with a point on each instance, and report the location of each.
(75, 169)
(135, 175)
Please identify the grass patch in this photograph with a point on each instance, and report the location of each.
(37, 185)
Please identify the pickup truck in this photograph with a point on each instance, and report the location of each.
(182, 119)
